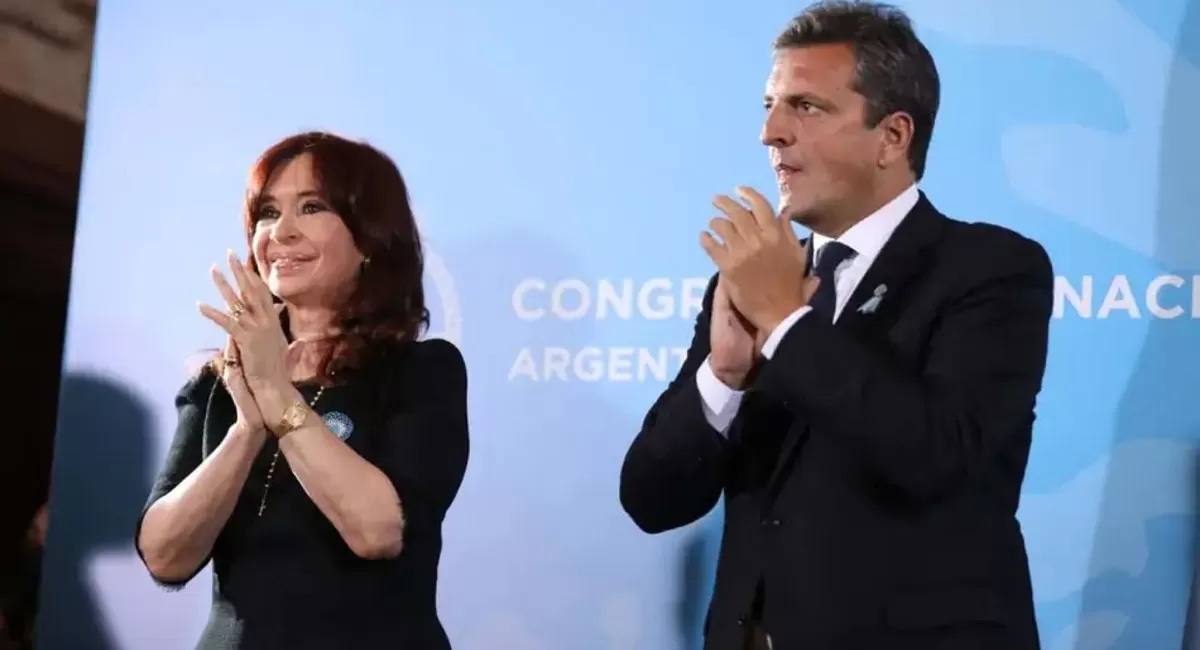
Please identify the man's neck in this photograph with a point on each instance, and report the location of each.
(880, 198)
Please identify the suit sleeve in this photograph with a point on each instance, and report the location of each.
(925, 430)
(183, 457)
(425, 441)
(675, 468)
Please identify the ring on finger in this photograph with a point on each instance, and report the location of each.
(237, 309)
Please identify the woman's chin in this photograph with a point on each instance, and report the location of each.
(287, 289)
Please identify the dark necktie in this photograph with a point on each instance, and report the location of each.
(830, 257)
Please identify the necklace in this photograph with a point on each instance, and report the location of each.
(275, 459)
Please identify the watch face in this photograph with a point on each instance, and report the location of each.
(297, 418)
(293, 418)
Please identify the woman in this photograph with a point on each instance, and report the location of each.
(315, 460)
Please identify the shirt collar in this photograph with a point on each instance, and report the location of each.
(868, 236)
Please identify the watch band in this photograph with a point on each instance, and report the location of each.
(293, 418)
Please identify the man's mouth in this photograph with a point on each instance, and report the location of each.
(785, 172)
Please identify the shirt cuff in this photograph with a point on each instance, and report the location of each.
(772, 342)
(720, 402)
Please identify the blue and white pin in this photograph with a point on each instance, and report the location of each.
(339, 423)
(872, 303)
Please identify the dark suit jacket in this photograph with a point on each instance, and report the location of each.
(872, 474)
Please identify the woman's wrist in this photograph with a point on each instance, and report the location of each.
(247, 430)
(273, 400)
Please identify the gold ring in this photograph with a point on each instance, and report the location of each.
(237, 309)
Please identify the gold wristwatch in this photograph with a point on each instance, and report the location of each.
(293, 418)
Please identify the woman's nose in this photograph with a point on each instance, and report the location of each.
(284, 228)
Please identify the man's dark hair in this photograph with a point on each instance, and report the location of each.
(893, 71)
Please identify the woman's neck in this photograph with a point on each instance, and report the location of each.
(310, 324)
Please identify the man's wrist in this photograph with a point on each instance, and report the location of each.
(760, 339)
(770, 321)
(733, 379)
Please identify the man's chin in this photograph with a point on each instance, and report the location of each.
(794, 212)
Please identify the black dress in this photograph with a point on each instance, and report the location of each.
(287, 580)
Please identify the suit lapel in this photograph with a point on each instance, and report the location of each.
(882, 289)
(893, 270)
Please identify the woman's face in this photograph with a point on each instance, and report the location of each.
(303, 250)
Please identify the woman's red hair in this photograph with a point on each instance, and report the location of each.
(365, 188)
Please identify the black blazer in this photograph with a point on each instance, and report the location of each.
(872, 474)
(287, 579)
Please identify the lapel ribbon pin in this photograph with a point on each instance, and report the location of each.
(872, 303)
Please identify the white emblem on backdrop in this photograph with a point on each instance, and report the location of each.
(437, 273)
(443, 284)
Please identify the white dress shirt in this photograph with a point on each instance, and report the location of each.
(866, 238)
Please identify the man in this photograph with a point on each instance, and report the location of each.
(867, 419)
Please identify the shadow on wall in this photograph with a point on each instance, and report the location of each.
(1158, 412)
(697, 573)
(1191, 632)
(99, 484)
(1176, 172)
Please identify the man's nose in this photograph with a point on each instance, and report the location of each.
(774, 130)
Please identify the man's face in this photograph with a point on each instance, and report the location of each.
(825, 158)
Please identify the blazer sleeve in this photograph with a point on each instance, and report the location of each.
(183, 456)
(675, 469)
(924, 430)
(424, 445)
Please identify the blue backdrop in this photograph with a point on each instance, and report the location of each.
(561, 158)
